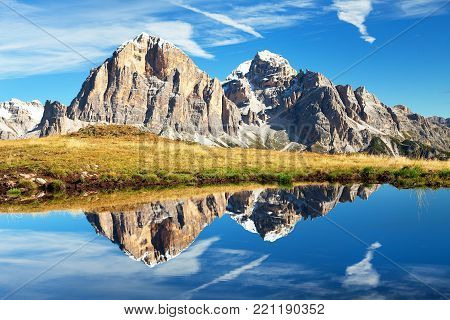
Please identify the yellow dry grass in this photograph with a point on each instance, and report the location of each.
(131, 154)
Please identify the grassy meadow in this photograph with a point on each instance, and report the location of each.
(118, 157)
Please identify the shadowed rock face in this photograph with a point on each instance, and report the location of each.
(160, 230)
(440, 120)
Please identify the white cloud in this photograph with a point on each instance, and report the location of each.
(355, 12)
(90, 28)
(224, 19)
(233, 274)
(270, 16)
(362, 274)
(411, 8)
(181, 34)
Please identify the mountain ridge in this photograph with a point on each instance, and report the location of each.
(263, 103)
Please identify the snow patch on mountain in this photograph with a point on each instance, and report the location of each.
(240, 72)
(18, 118)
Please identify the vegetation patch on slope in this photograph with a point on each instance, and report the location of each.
(119, 157)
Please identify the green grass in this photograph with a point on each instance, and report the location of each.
(14, 192)
(118, 157)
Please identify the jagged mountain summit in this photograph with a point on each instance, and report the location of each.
(264, 103)
(19, 119)
(316, 115)
(151, 83)
(440, 120)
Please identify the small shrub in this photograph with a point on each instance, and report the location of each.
(232, 175)
(14, 193)
(368, 173)
(285, 179)
(409, 172)
(444, 174)
(181, 178)
(58, 173)
(27, 184)
(267, 177)
(109, 177)
(146, 178)
(56, 186)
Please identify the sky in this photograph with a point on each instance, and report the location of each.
(399, 50)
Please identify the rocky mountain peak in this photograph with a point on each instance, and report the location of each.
(315, 79)
(268, 69)
(440, 121)
(240, 72)
(18, 118)
(149, 82)
(264, 103)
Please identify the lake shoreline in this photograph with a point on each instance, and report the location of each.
(401, 179)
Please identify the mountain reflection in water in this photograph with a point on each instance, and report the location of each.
(160, 230)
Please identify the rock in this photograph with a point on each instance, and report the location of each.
(41, 181)
(27, 176)
(264, 103)
(55, 120)
(40, 195)
(311, 111)
(149, 82)
(440, 121)
(18, 118)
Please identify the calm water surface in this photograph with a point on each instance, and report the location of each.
(307, 242)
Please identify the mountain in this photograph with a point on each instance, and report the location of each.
(316, 115)
(440, 120)
(264, 103)
(18, 119)
(151, 83)
(158, 231)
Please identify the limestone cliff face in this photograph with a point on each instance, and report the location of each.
(160, 230)
(305, 110)
(418, 128)
(152, 83)
(264, 103)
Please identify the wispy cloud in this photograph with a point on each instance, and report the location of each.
(231, 275)
(362, 274)
(355, 12)
(180, 33)
(414, 8)
(269, 16)
(222, 18)
(90, 28)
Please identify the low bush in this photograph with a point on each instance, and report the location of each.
(56, 186)
(14, 193)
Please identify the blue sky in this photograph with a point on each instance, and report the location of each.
(325, 36)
